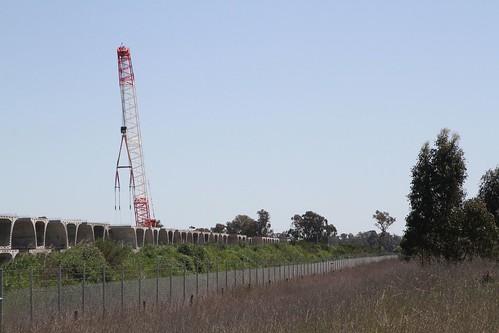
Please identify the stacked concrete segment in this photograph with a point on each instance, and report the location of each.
(137, 237)
(39, 234)
(265, 240)
(6, 251)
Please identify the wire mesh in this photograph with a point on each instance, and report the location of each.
(30, 295)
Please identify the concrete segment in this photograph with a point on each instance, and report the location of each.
(163, 237)
(56, 236)
(40, 226)
(140, 237)
(23, 234)
(7, 255)
(148, 237)
(71, 230)
(85, 233)
(99, 232)
(125, 235)
(5, 231)
(37, 235)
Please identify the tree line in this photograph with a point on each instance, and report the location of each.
(245, 225)
(309, 227)
(442, 223)
(314, 228)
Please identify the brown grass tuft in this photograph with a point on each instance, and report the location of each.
(389, 296)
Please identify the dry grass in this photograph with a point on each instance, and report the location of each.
(390, 296)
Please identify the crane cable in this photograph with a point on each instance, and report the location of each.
(151, 201)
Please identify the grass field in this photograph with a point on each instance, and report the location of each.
(389, 296)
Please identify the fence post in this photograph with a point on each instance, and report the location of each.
(226, 275)
(83, 290)
(208, 278)
(197, 277)
(31, 307)
(122, 286)
(185, 268)
(59, 278)
(171, 292)
(217, 275)
(103, 290)
(243, 271)
(249, 269)
(1, 300)
(157, 283)
(140, 284)
(256, 273)
(235, 272)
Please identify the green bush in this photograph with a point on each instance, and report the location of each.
(115, 254)
(165, 258)
(16, 275)
(75, 260)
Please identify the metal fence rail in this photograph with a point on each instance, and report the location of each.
(65, 293)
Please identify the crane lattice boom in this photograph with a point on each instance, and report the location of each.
(131, 139)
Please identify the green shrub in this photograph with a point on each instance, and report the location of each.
(16, 275)
(115, 254)
(81, 257)
(165, 258)
(195, 251)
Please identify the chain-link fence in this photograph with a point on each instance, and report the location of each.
(42, 294)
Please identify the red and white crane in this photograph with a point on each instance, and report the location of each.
(132, 141)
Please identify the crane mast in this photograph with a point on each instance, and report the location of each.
(132, 142)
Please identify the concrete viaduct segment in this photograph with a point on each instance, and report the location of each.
(137, 237)
(40, 234)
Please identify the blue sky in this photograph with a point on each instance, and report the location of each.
(286, 106)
